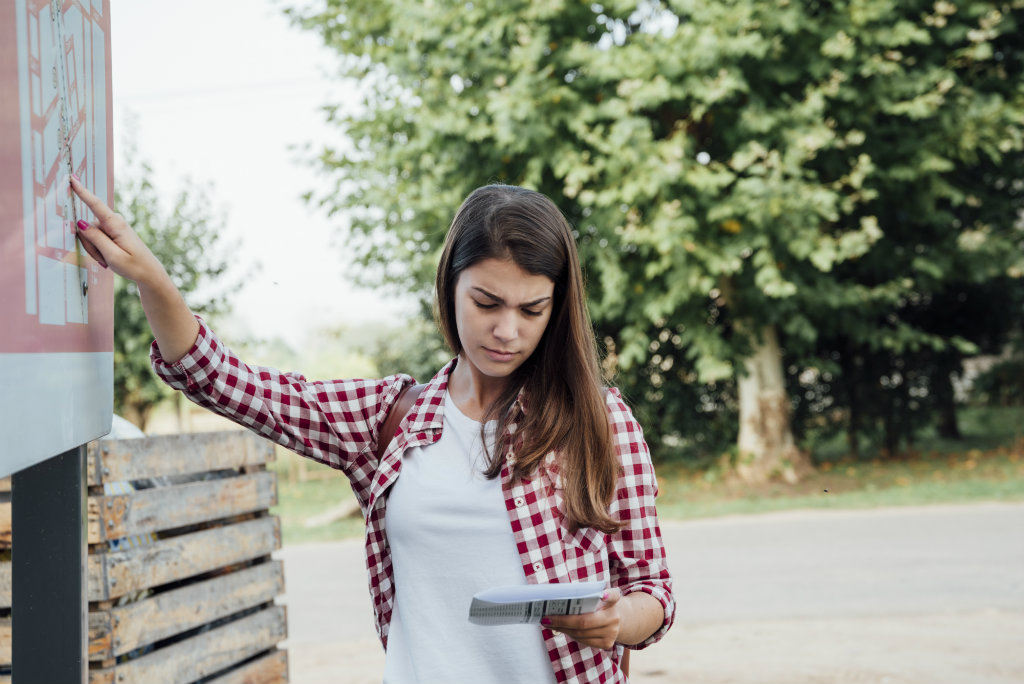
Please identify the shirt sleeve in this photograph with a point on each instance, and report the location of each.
(334, 422)
(636, 552)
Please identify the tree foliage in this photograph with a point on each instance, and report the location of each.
(847, 173)
(188, 241)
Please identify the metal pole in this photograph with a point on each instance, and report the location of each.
(49, 598)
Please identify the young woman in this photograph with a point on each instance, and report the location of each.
(513, 466)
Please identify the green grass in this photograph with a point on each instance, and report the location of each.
(916, 479)
(300, 501)
(987, 465)
(983, 428)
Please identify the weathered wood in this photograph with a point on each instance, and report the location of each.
(5, 513)
(5, 524)
(202, 654)
(124, 628)
(103, 675)
(165, 508)
(5, 640)
(101, 635)
(269, 669)
(235, 531)
(118, 573)
(5, 584)
(163, 455)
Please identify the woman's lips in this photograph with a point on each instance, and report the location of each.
(499, 356)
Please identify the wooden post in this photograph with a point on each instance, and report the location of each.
(48, 586)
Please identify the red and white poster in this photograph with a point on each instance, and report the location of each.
(56, 303)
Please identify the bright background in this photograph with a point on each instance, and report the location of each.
(227, 93)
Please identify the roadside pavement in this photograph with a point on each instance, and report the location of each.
(915, 594)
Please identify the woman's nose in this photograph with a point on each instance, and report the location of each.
(506, 328)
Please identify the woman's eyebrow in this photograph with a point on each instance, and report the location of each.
(499, 300)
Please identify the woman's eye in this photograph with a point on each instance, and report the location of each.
(481, 305)
(530, 312)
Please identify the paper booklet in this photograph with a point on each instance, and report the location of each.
(528, 603)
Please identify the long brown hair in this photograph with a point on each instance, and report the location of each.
(561, 381)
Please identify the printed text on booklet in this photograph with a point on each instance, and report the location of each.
(529, 603)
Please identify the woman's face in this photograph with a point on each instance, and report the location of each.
(501, 312)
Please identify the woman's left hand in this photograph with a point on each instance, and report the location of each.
(599, 629)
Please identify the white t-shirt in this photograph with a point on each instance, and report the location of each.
(450, 538)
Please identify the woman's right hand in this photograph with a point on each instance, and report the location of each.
(112, 242)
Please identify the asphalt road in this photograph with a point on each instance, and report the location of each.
(922, 594)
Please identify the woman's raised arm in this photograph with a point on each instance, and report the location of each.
(113, 243)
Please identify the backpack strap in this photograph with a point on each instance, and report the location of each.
(405, 401)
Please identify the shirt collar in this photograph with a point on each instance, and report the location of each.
(428, 411)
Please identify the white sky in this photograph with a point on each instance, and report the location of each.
(222, 89)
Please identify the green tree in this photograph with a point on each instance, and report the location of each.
(188, 241)
(941, 113)
(740, 173)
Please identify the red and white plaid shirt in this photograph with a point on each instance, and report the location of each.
(337, 423)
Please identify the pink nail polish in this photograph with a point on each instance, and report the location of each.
(604, 596)
(75, 176)
(82, 224)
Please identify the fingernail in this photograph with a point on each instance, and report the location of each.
(75, 176)
(604, 596)
(82, 224)
(545, 621)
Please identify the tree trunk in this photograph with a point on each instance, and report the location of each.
(179, 412)
(891, 435)
(766, 446)
(136, 414)
(851, 378)
(947, 425)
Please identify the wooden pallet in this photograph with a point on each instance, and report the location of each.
(188, 594)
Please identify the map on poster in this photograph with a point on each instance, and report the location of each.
(56, 344)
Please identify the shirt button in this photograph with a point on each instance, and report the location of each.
(509, 457)
(538, 566)
(520, 502)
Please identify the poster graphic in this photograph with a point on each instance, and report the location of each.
(56, 302)
(62, 84)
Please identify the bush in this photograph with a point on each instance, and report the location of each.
(1001, 385)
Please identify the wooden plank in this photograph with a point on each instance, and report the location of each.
(5, 640)
(101, 634)
(269, 669)
(165, 455)
(5, 584)
(124, 628)
(164, 508)
(5, 484)
(118, 573)
(202, 654)
(5, 524)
